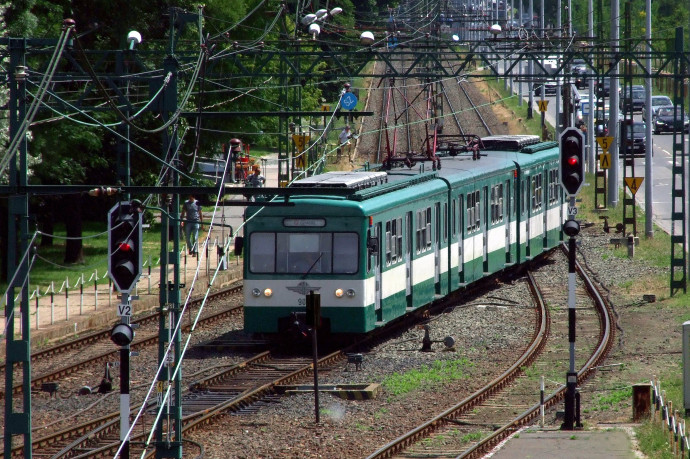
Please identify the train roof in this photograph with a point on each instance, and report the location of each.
(498, 154)
(364, 191)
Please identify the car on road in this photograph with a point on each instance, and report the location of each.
(633, 99)
(633, 137)
(550, 87)
(666, 120)
(657, 102)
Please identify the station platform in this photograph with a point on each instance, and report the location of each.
(535, 443)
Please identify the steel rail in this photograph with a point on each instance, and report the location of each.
(104, 335)
(89, 430)
(533, 350)
(606, 339)
(201, 418)
(475, 109)
(139, 344)
(452, 109)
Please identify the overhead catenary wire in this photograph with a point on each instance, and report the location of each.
(31, 112)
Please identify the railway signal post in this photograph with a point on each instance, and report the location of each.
(571, 173)
(313, 319)
(124, 268)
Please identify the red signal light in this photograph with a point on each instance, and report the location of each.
(573, 160)
(124, 246)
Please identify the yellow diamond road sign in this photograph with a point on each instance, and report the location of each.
(605, 161)
(543, 104)
(634, 183)
(605, 143)
(300, 141)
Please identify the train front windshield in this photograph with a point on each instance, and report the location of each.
(303, 253)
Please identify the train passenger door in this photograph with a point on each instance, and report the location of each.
(437, 248)
(508, 220)
(408, 258)
(527, 196)
(377, 272)
(461, 238)
(485, 228)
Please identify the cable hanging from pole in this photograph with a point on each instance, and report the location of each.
(18, 138)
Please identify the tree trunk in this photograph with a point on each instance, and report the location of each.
(74, 250)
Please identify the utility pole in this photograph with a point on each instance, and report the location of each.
(591, 134)
(613, 106)
(530, 66)
(648, 169)
(559, 28)
(18, 351)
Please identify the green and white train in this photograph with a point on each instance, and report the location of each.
(378, 244)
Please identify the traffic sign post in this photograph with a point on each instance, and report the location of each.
(348, 101)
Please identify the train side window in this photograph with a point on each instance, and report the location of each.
(477, 211)
(523, 194)
(389, 248)
(418, 232)
(428, 227)
(470, 212)
(497, 203)
(454, 218)
(553, 186)
(262, 249)
(445, 222)
(368, 255)
(536, 192)
(345, 253)
(461, 199)
(500, 202)
(399, 237)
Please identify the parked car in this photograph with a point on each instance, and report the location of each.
(657, 102)
(601, 119)
(550, 88)
(666, 120)
(633, 144)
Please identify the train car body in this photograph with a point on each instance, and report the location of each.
(378, 244)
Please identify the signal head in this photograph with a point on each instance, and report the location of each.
(571, 168)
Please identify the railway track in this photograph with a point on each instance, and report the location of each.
(245, 387)
(478, 423)
(242, 387)
(57, 362)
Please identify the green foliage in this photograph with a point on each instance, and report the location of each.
(439, 372)
(612, 399)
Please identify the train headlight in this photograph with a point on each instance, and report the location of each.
(268, 292)
(339, 292)
(350, 293)
(256, 292)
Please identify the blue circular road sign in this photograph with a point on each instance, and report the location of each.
(348, 101)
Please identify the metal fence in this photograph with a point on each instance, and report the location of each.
(89, 292)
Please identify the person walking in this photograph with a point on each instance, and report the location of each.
(344, 139)
(191, 209)
(255, 180)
